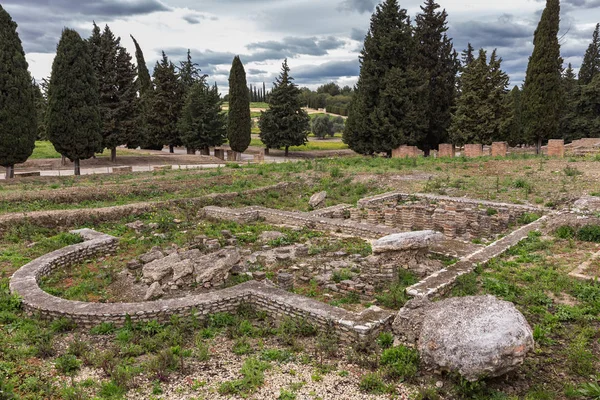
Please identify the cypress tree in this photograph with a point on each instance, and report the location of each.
(589, 109)
(285, 123)
(498, 89)
(467, 56)
(471, 121)
(437, 59)
(591, 61)
(165, 105)
(190, 73)
(202, 124)
(542, 92)
(570, 121)
(512, 128)
(380, 119)
(145, 87)
(73, 120)
(264, 99)
(41, 103)
(18, 126)
(117, 89)
(239, 126)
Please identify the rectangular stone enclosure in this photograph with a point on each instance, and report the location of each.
(406, 152)
(499, 149)
(556, 148)
(447, 150)
(473, 150)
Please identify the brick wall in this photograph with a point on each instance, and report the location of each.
(556, 148)
(406, 152)
(447, 150)
(473, 150)
(499, 149)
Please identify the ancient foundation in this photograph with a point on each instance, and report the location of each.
(556, 148)
(447, 150)
(406, 152)
(499, 149)
(473, 150)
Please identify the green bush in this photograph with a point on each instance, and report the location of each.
(401, 362)
(373, 383)
(67, 364)
(565, 232)
(528, 218)
(589, 233)
(385, 340)
(253, 376)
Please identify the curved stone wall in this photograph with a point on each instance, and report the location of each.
(277, 303)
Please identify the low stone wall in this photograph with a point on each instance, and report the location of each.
(456, 218)
(278, 217)
(337, 211)
(56, 218)
(439, 282)
(351, 327)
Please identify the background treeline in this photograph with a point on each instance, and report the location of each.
(330, 96)
(415, 89)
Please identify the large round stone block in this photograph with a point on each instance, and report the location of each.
(476, 337)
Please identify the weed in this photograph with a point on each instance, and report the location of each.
(242, 346)
(565, 232)
(580, 358)
(286, 395)
(110, 390)
(589, 390)
(253, 377)
(401, 362)
(372, 383)
(589, 233)
(385, 340)
(105, 328)
(528, 218)
(572, 171)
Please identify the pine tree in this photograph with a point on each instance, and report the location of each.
(73, 120)
(285, 123)
(239, 126)
(472, 121)
(570, 121)
(591, 61)
(145, 87)
(437, 59)
(542, 92)
(380, 117)
(18, 123)
(117, 89)
(202, 124)
(467, 56)
(498, 88)
(190, 73)
(165, 105)
(589, 109)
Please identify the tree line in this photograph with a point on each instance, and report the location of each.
(415, 89)
(96, 98)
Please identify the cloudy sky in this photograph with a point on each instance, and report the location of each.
(321, 38)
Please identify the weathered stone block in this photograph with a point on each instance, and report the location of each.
(499, 149)
(473, 150)
(446, 150)
(556, 148)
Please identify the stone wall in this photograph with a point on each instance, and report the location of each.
(473, 150)
(406, 152)
(279, 217)
(351, 327)
(456, 218)
(556, 148)
(499, 149)
(66, 218)
(447, 150)
(337, 211)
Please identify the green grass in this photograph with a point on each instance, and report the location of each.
(310, 146)
(45, 149)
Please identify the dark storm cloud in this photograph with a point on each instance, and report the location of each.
(582, 3)
(362, 6)
(293, 46)
(41, 21)
(501, 33)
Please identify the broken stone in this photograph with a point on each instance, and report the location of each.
(226, 234)
(213, 244)
(153, 225)
(317, 200)
(268, 236)
(259, 275)
(159, 269)
(301, 251)
(134, 265)
(182, 269)
(216, 266)
(151, 256)
(477, 337)
(136, 226)
(407, 241)
(154, 292)
(285, 281)
(191, 254)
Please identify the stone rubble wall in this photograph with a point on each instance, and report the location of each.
(456, 218)
(556, 148)
(337, 211)
(351, 327)
(57, 218)
(446, 150)
(278, 217)
(473, 150)
(499, 149)
(407, 152)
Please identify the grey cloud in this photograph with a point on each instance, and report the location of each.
(253, 71)
(362, 6)
(583, 3)
(326, 71)
(97, 8)
(193, 19)
(501, 33)
(293, 46)
(358, 34)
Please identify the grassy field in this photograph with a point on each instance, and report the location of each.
(45, 149)
(246, 354)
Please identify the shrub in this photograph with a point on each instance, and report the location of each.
(62, 325)
(67, 364)
(253, 376)
(565, 232)
(589, 233)
(373, 383)
(572, 171)
(528, 218)
(401, 362)
(242, 346)
(104, 328)
(385, 340)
